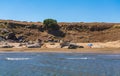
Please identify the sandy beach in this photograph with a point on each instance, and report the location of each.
(63, 50)
(108, 47)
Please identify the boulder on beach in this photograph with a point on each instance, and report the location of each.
(74, 46)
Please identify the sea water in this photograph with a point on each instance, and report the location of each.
(59, 64)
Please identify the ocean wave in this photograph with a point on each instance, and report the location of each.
(17, 58)
(81, 58)
(109, 55)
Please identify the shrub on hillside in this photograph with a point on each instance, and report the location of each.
(50, 24)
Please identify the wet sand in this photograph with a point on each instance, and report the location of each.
(63, 50)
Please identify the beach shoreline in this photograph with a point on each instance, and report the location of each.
(63, 50)
(105, 48)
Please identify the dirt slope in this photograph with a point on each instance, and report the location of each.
(75, 32)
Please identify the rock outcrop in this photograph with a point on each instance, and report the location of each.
(11, 36)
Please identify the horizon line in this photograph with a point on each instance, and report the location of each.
(60, 21)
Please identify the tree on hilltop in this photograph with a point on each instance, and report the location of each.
(50, 24)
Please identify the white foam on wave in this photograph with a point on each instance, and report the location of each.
(110, 55)
(82, 58)
(17, 58)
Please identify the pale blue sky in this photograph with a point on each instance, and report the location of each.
(61, 10)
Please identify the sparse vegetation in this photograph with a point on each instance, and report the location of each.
(116, 26)
(75, 32)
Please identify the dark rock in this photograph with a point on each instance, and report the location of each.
(81, 46)
(11, 36)
(21, 38)
(74, 46)
(2, 38)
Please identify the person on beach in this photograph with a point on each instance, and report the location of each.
(90, 45)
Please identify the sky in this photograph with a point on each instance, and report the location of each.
(61, 10)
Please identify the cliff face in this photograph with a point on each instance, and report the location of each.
(75, 32)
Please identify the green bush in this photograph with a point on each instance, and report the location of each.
(50, 24)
